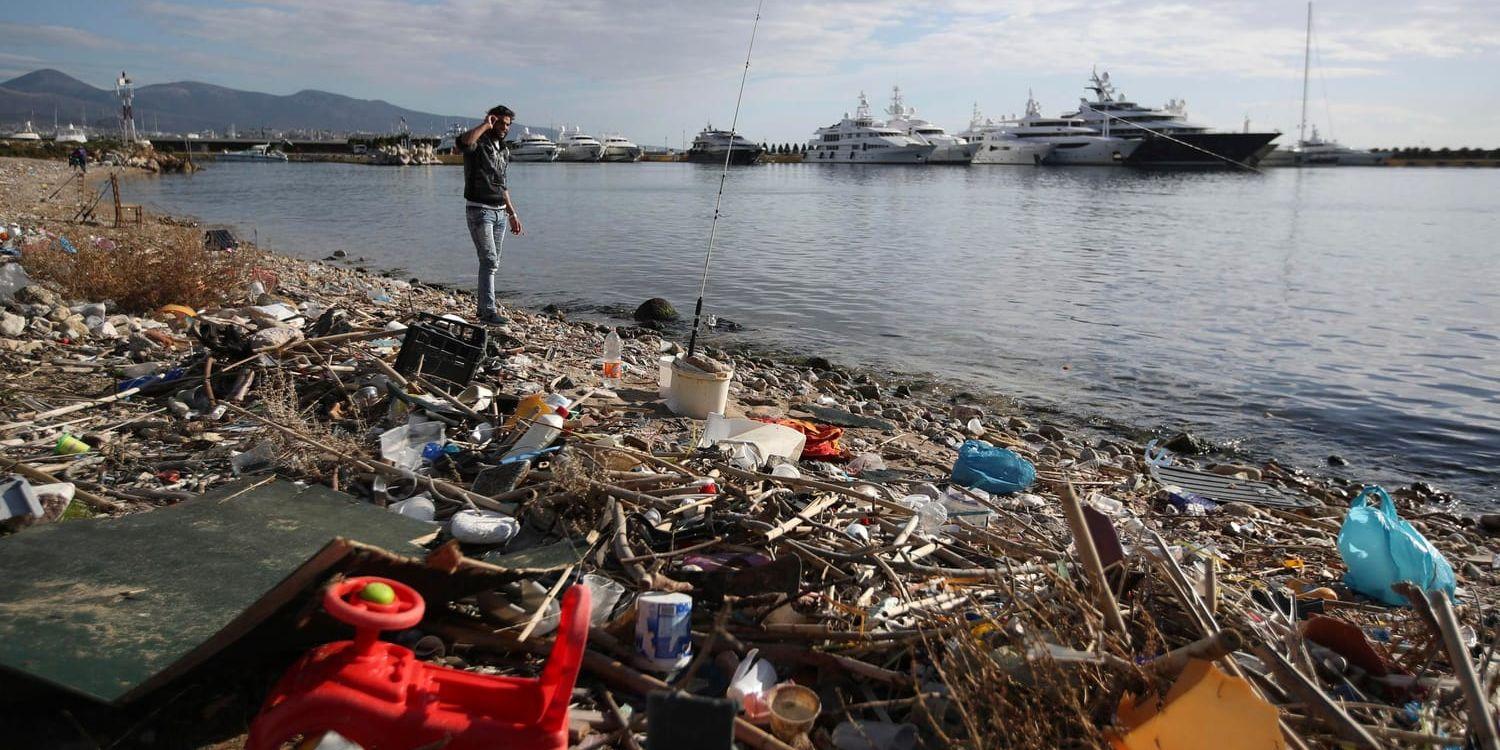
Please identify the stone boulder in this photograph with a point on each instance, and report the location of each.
(655, 310)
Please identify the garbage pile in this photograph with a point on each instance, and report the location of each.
(791, 554)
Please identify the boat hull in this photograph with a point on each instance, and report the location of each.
(952, 153)
(738, 156)
(622, 154)
(590, 153)
(1092, 151)
(897, 155)
(524, 154)
(1011, 154)
(1187, 150)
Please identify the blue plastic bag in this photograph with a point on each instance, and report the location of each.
(1381, 549)
(994, 470)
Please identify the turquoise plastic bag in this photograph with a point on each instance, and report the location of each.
(994, 470)
(1380, 549)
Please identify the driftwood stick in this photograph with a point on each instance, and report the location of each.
(1481, 720)
(1092, 567)
(1314, 698)
(621, 544)
(1212, 648)
(69, 409)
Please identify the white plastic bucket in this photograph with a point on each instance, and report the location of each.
(695, 393)
(663, 633)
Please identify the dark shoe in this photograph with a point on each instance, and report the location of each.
(494, 320)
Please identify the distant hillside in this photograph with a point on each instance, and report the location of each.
(192, 106)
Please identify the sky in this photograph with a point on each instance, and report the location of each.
(1384, 72)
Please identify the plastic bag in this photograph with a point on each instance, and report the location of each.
(994, 470)
(1380, 549)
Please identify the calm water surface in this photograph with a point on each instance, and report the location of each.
(1299, 313)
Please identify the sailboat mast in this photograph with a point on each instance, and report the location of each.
(1306, 58)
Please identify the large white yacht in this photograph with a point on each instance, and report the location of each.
(577, 146)
(862, 140)
(72, 134)
(534, 147)
(620, 148)
(1064, 141)
(713, 146)
(27, 133)
(1167, 138)
(947, 149)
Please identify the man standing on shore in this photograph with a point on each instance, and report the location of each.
(488, 206)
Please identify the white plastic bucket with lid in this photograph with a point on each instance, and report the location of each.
(695, 393)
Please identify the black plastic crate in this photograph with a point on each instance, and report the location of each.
(447, 351)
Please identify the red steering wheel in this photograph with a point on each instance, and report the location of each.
(343, 600)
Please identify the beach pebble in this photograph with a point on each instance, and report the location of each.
(1337, 460)
(1052, 433)
(12, 325)
(1186, 442)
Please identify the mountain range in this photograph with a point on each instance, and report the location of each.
(189, 106)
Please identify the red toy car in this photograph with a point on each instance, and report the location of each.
(380, 696)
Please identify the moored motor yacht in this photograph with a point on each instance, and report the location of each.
(1065, 141)
(862, 140)
(577, 146)
(71, 135)
(533, 147)
(947, 149)
(620, 148)
(1167, 138)
(712, 146)
(263, 153)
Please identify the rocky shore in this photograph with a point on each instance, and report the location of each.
(290, 367)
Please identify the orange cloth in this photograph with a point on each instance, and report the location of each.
(822, 439)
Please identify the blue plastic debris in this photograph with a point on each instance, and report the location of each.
(1381, 549)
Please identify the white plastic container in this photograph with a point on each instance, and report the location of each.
(768, 439)
(695, 393)
(544, 429)
(664, 374)
(663, 633)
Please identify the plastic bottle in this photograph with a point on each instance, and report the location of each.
(614, 366)
(544, 429)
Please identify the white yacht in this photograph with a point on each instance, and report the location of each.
(862, 140)
(71, 135)
(533, 147)
(449, 142)
(620, 148)
(1167, 138)
(1057, 140)
(713, 146)
(947, 149)
(262, 153)
(577, 146)
(27, 133)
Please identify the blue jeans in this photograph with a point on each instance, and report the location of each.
(487, 227)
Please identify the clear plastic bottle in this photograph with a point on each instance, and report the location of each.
(614, 365)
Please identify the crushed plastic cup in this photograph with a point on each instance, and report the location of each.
(419, 507)
(786, 471)
(258, 458)
(794, 708)
(858, 532)
(472, 526)
(67, 445)
(604, 594)
(866, 462)
(751, 684)
(402, 446)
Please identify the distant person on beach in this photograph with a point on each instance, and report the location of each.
(79, 159)
(488, 202)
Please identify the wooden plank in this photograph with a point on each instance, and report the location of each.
(112, 608)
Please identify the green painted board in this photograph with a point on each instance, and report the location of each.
(113, 608)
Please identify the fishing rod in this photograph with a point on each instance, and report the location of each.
(723, 176)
